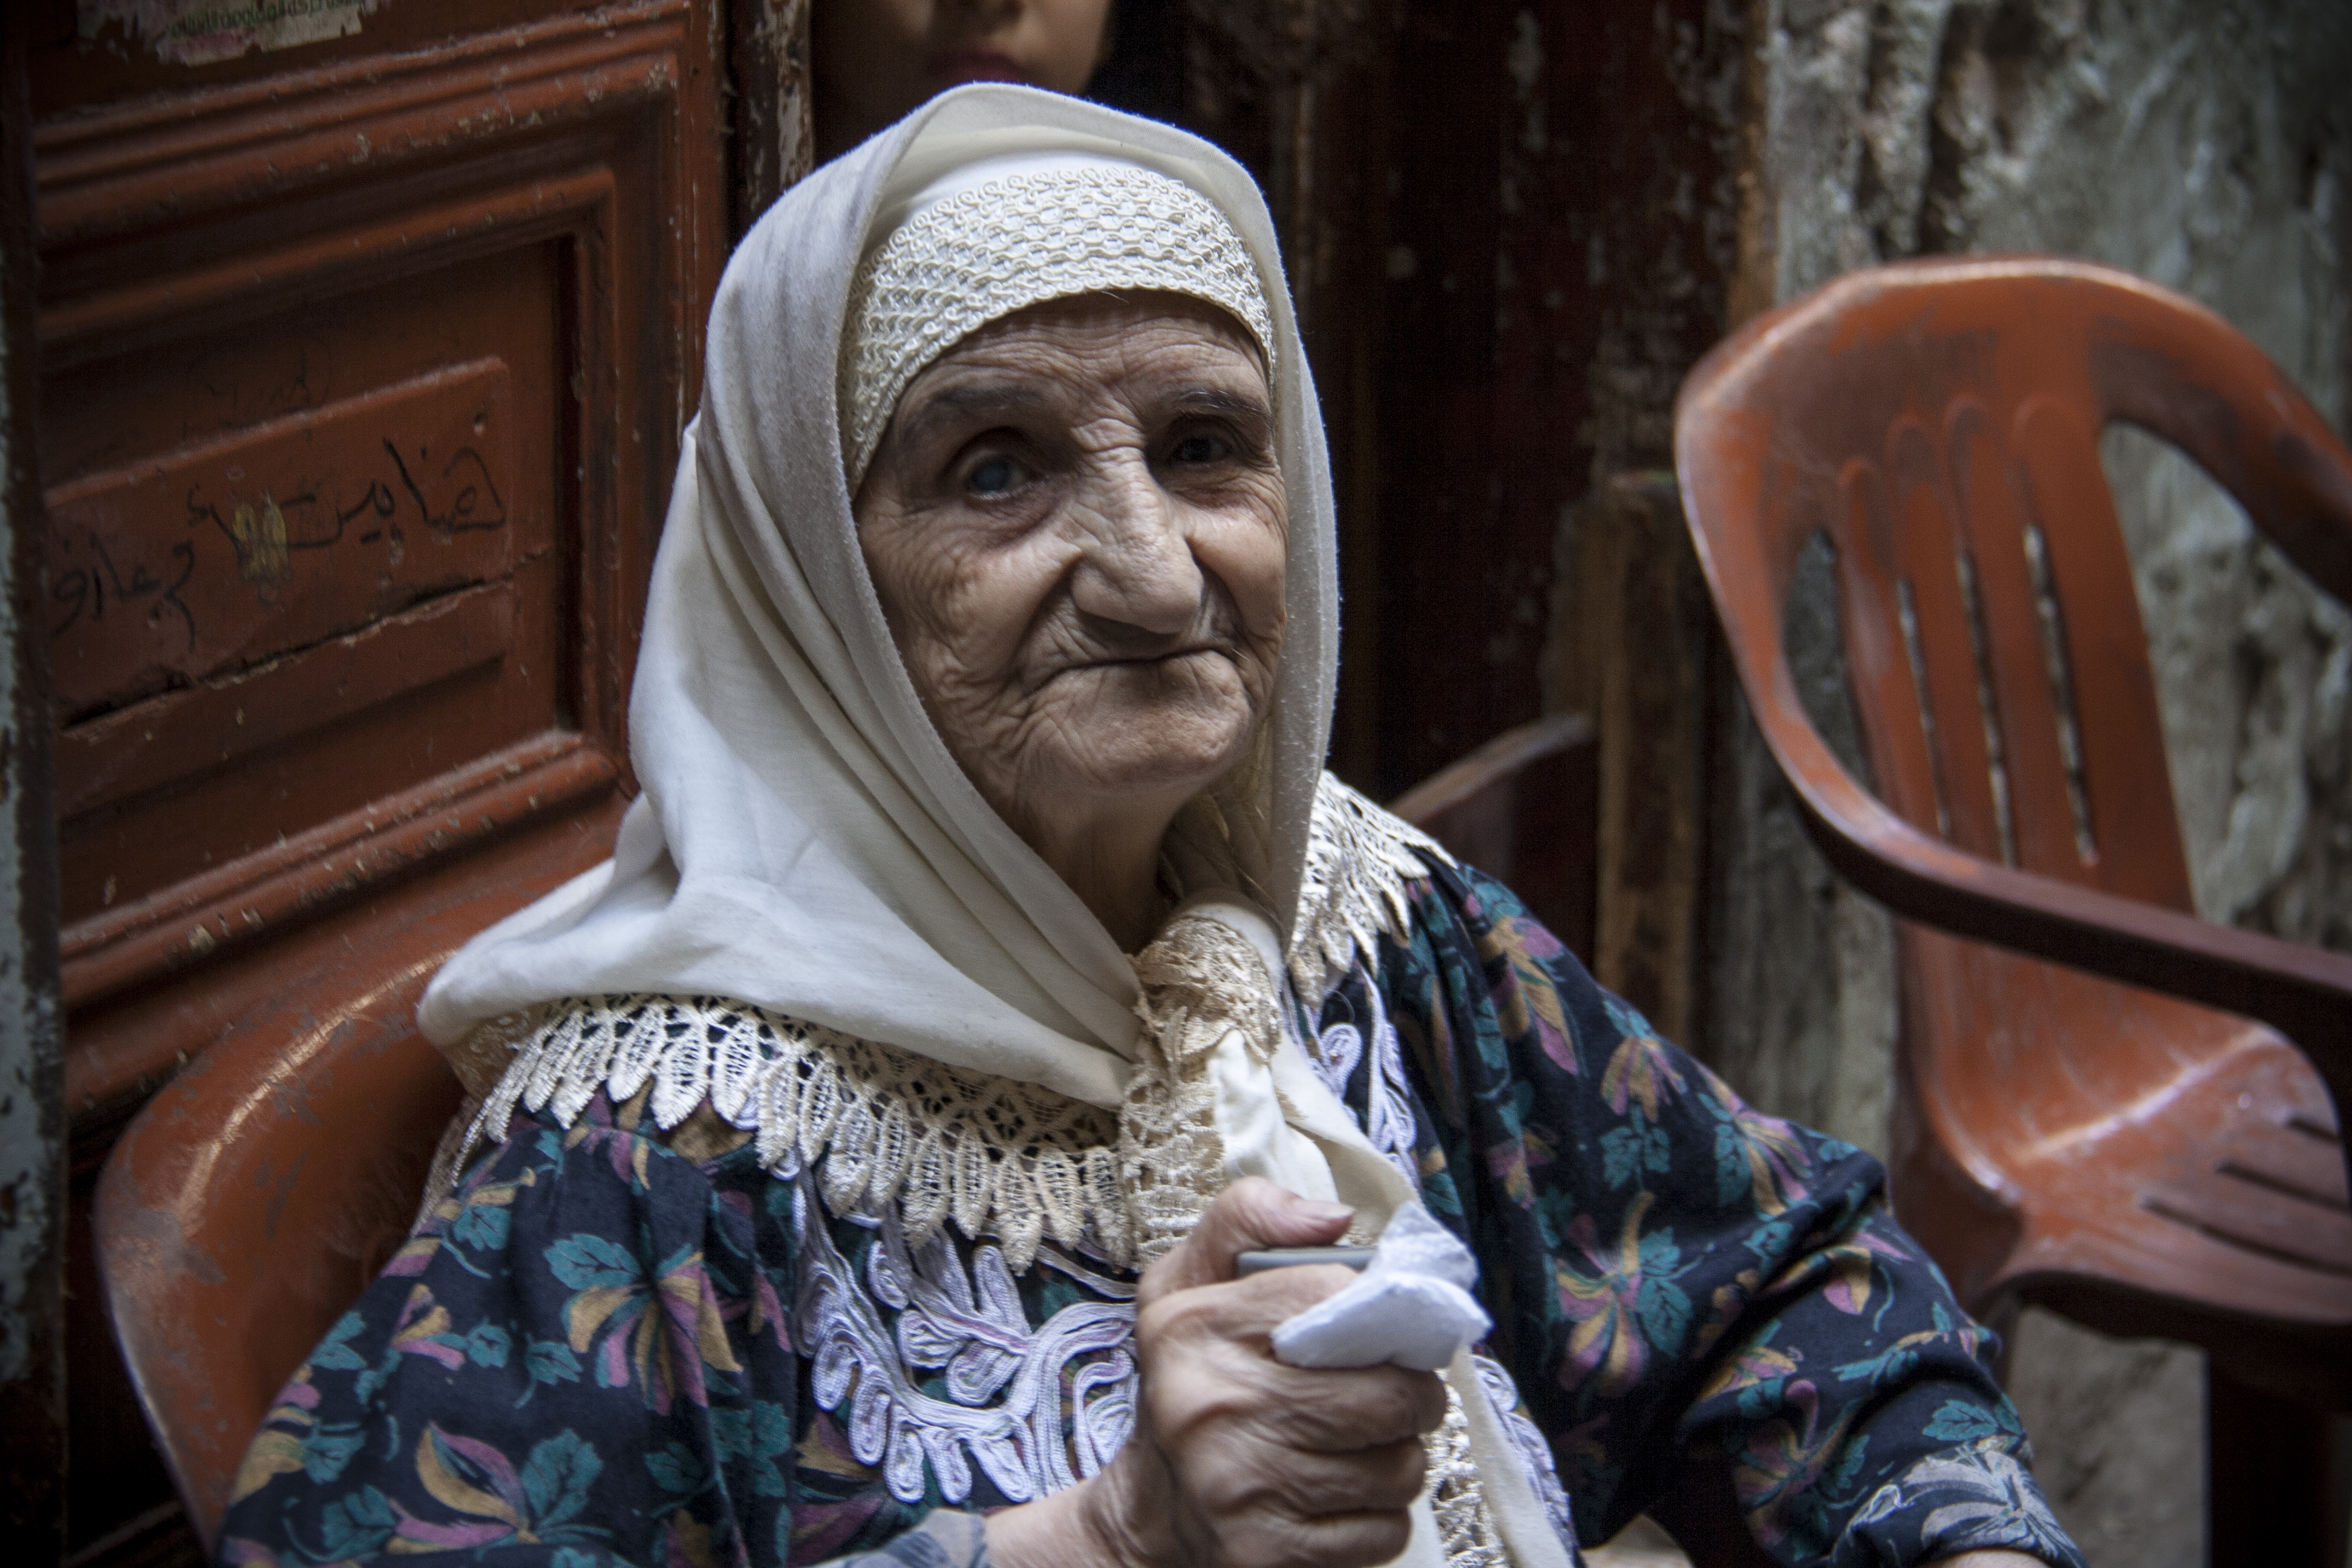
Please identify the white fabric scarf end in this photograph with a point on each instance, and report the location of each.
(1276, 1119)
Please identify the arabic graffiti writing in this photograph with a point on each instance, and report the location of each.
(85, 589)
(289, 532)
(464, 498)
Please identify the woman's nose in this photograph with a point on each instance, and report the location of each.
(1137, 569)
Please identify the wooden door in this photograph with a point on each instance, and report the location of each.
(367, 329)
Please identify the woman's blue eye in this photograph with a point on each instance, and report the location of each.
(994, 477)
(1202, 449)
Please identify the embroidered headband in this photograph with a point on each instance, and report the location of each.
(1000, 235)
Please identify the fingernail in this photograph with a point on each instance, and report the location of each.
(1315, 1208)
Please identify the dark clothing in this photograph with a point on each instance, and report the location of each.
(602, 1351)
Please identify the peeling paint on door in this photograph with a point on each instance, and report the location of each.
(199, 32)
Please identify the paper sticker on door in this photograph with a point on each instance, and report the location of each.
(198, 32)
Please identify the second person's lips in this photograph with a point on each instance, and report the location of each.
(960, 65)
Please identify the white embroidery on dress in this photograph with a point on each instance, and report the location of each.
(1006, 1408)
(1389, 1124)
(883, 1123)
(1535, 1454)
(890, 1140)
(1976, 1497)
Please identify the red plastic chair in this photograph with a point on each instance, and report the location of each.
(2146, 1161)
(249, 1203)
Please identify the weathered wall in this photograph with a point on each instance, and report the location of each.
(1508, 230)
(32, 1084)
(2202, 143)
(774, 140)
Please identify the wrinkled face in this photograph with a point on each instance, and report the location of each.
(1076, 527)
(877, 59)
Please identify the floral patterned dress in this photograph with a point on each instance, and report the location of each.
(668, 1350)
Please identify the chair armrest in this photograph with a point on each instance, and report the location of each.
(1498, 759)
(2305, 993)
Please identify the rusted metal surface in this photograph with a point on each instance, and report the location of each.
(32, 1112)
(386, 516)
(2134, 1157)
(196, 922)
(151, 744)
(363, 366)
(70, 72)
(124, 163)
(221, 556)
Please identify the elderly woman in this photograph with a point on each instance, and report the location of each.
(865, 1151)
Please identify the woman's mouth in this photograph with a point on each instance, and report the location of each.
(955, 68)
(1112, 664)
(1167, 657)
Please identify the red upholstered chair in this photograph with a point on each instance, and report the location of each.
(2105, 1105)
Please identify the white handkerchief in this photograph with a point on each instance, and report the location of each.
(1411, 1308)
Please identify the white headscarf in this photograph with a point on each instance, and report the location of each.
(803, 841)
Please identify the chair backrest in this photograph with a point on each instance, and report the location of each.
(1938, 423)
(250, 1202)
(1522, 808)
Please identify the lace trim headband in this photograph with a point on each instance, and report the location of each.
(1012, 240)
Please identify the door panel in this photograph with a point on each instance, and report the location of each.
(361, 389)
(364, 365)
(256, 544)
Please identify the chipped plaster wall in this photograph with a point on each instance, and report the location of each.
(2202, 143)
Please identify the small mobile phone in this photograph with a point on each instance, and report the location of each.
(1250, 1263)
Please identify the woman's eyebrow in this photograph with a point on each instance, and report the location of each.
(984, 402)
(1221, 400)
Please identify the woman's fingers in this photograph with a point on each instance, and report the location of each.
(1219, 1333)
(1248, 1310)
(1250, 1213)
(1328, 1541)
(1209, 1385)
(1341, 1412)
(1321, 1413)
(1316, 1411)
(1247, 1475)
(1273, 1507)
(1240, 1460)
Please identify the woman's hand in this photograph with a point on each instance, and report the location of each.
(1238, 1461)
